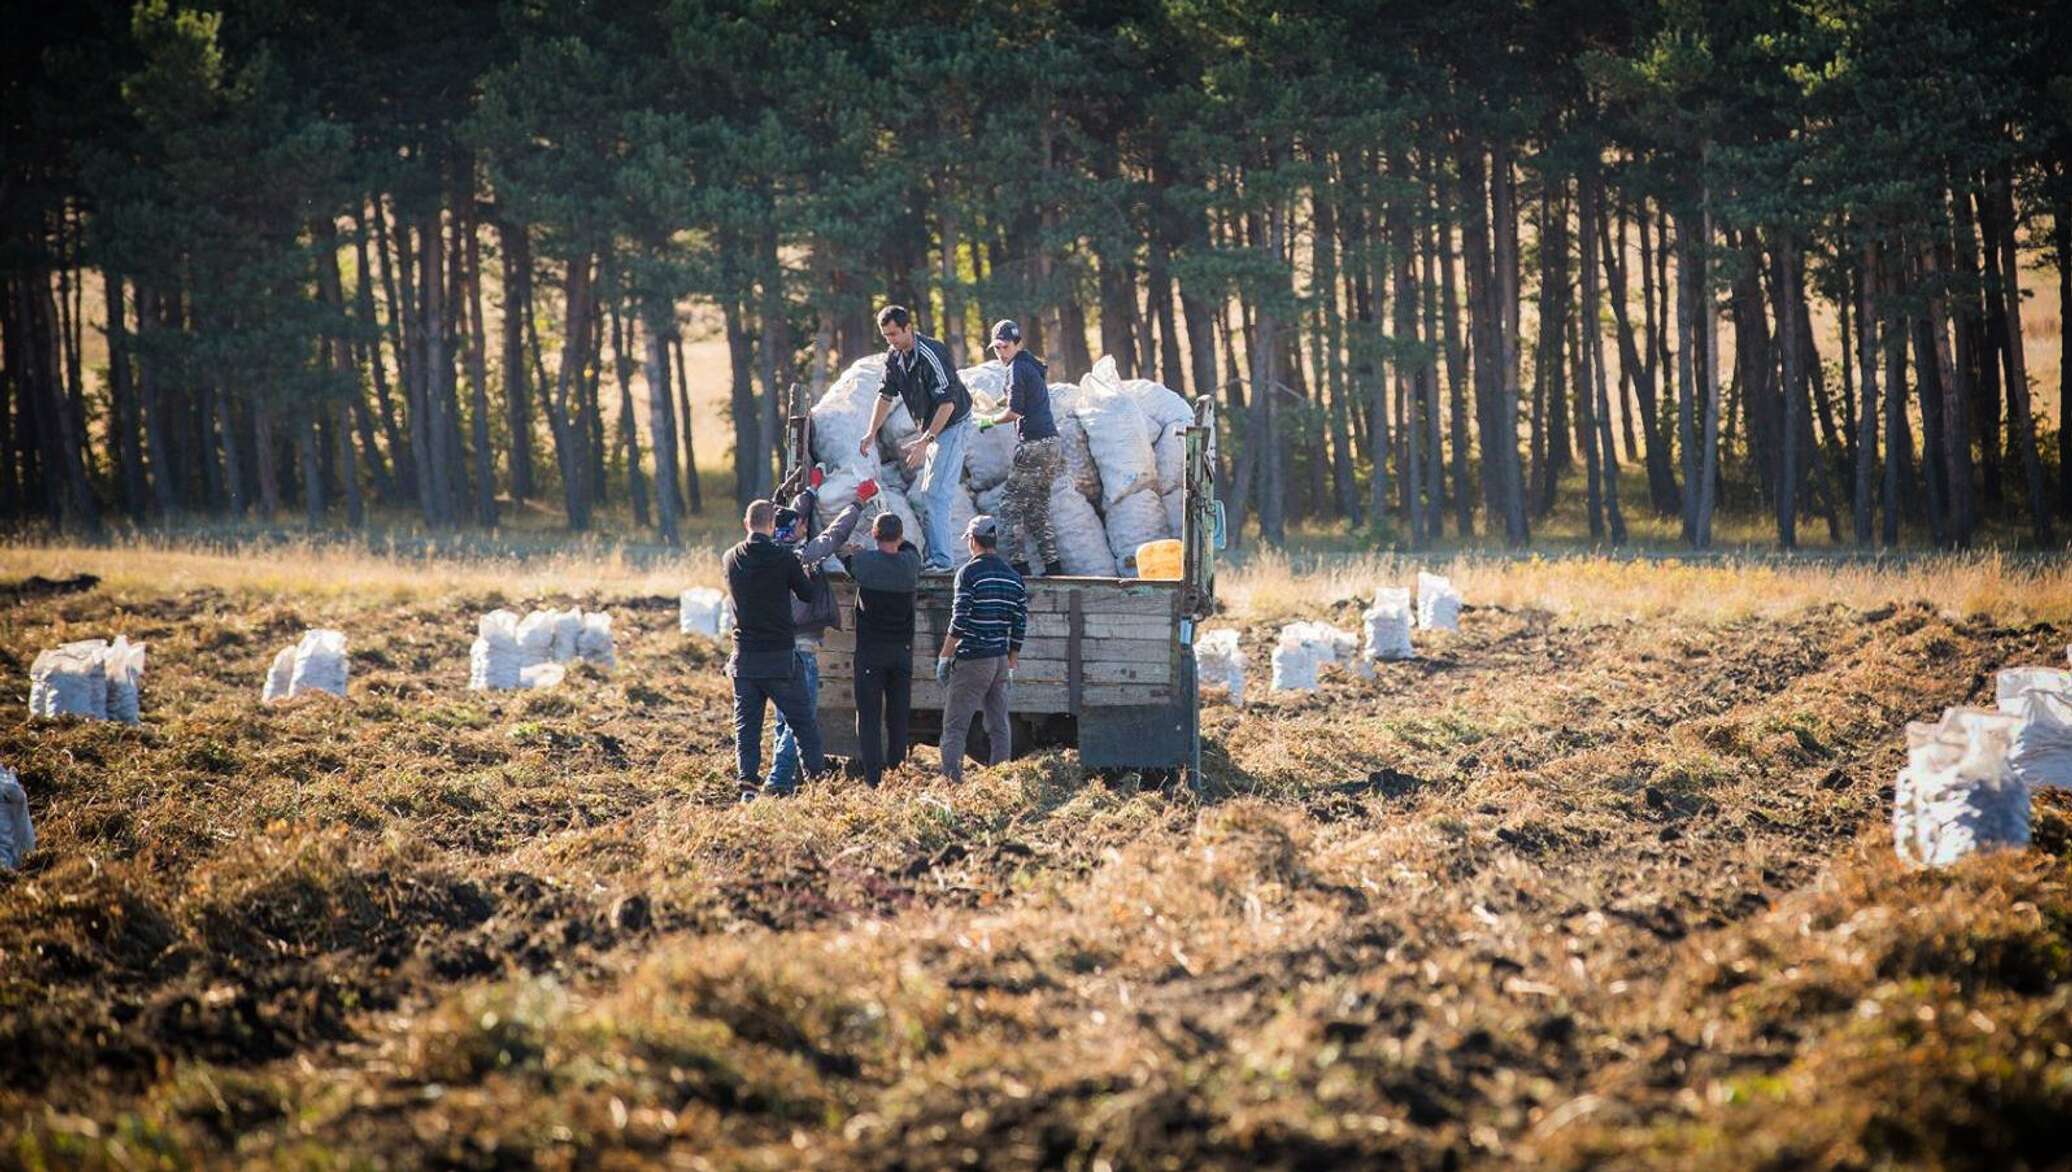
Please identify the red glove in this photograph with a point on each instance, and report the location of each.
(816, 477)
(866, 490)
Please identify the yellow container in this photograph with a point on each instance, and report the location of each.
(1160, 561)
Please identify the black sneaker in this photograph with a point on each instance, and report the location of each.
(1053, 569)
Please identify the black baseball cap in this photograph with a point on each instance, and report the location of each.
(1005, 330)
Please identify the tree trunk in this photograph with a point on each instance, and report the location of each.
(748, 428)
(1866, 454)
(628, 438)
(1708, 375)
(694, 491)
(1956, 398)
(123, 415)
(478, 374)
(661, 322)
(1330, 336)
(1784, 289)
(1662, 491)
(775, 327)
(570, 441)
(952, 271)
(2019, 413)
(1456, 357)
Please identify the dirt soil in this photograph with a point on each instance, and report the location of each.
(1550, 894)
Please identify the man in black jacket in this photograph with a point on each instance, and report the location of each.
(920, 372)
(886, 580)
(811, 619)
(762, 578)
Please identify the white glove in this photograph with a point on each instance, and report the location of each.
(942, 671)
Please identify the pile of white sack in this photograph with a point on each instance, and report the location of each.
(1304, 647)
(314, 664)
(92, 678)
(1968, 776)
(704, 611)
(1387, 624)
(1438, 603)
(1220, 663)
(1125, 458)
(17, 836)
(510, 652)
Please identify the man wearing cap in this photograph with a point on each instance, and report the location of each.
(989, 614)
(1039, 455)
(813, 615)
(920, 372)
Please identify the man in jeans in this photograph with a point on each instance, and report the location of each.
(762, 578)
(989, 613)
(920, 372)
(886, 579)
(810, 619)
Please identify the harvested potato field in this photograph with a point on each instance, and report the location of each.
(1570, 887)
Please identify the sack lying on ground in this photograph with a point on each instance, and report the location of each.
(124, 664)
(541, 675)
(495, 660)
(568, 627)
(90, 678)
(2041, 754)
(1304, 647)
(315, 663)
(1438, 603)
(594, 644)
(17, 835)
(1957, 794)
(699, 612)
(1386, 625)
(1220, 662)
(2010, 684)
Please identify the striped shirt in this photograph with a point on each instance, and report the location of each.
(990, 612)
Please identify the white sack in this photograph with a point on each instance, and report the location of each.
(890, 499)
(495, 660)
(1220, 662)
(2041, 754)
(536, 638)
(594, 643)
(542, 675)
(698, 612)
(1117, 433)
(1132, 521)
(1295, 667)
(17, 836)
(279, 677)
(317, 663)
(844, 410)
(2010, 684)
(71, 680)
(988, 378)
(124, 666)
(1303, 647)
(1387, 624)
(1957, 794)
(1080, 468)
(1438, 603)
(1082, 542)
(988, 455)
(568, 627)
(1163, 406)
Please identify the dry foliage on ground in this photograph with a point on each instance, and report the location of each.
(1569, 888)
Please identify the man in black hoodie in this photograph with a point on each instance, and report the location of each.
(1039, 455)
(762, 578)
(886, 579)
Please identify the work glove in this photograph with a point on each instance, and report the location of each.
(942, 671)
(987, 424)
(864, 491)
(817, 477)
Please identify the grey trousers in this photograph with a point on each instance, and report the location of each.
(976, 685)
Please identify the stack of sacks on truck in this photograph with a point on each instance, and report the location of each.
(1125, 458)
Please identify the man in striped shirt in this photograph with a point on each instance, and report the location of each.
(989, 614)
(920, 372)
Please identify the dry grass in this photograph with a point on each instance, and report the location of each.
(1601, 878)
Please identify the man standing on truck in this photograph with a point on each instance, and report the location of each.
(812, 617)
(762, 579)
(989, 614)
(920, 372)
(887, 578)
(1039, 455)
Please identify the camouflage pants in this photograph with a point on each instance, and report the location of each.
(1025, 509)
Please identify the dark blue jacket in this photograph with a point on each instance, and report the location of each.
(1028, 395)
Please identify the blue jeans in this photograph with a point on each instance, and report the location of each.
(939, 478)
(784, 759)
